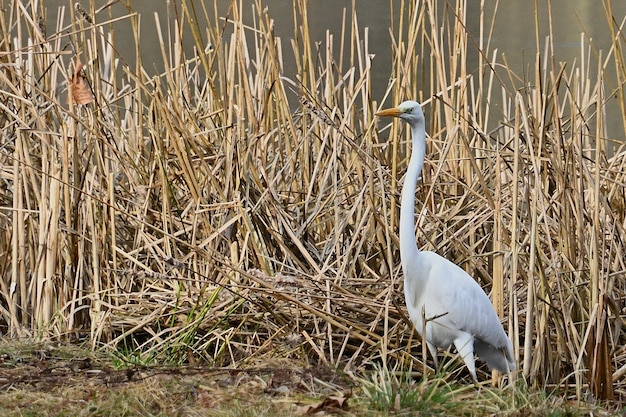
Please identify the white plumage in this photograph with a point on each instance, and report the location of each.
(457, 310)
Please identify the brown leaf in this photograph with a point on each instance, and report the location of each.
(327, 405)
(79, 91)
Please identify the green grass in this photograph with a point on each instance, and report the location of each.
(388, 391)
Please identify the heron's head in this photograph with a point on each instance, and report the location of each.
(410, 111)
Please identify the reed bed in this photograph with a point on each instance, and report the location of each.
(226, 211)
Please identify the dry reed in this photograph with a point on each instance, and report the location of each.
(222, 210)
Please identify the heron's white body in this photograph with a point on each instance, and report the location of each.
(457, 312)
(456, 309)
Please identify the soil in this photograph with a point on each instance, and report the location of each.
(66, 381)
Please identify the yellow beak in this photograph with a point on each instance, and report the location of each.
(393, 112)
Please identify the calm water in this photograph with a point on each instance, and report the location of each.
(513, 33)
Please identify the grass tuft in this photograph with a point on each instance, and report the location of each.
(392, 391)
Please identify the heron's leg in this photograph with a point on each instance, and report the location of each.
(465, 346)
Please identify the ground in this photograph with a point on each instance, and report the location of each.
(46, 379)
(52, 380)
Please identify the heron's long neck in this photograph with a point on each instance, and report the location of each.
(408, 244)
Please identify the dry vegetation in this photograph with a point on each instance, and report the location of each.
(225, 212)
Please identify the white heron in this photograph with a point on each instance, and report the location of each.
(457, 310)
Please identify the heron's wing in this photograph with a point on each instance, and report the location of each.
(464, 304)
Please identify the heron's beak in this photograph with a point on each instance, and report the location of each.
(393, 112)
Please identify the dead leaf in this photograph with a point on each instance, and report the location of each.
(327, 405)
(79, 91)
